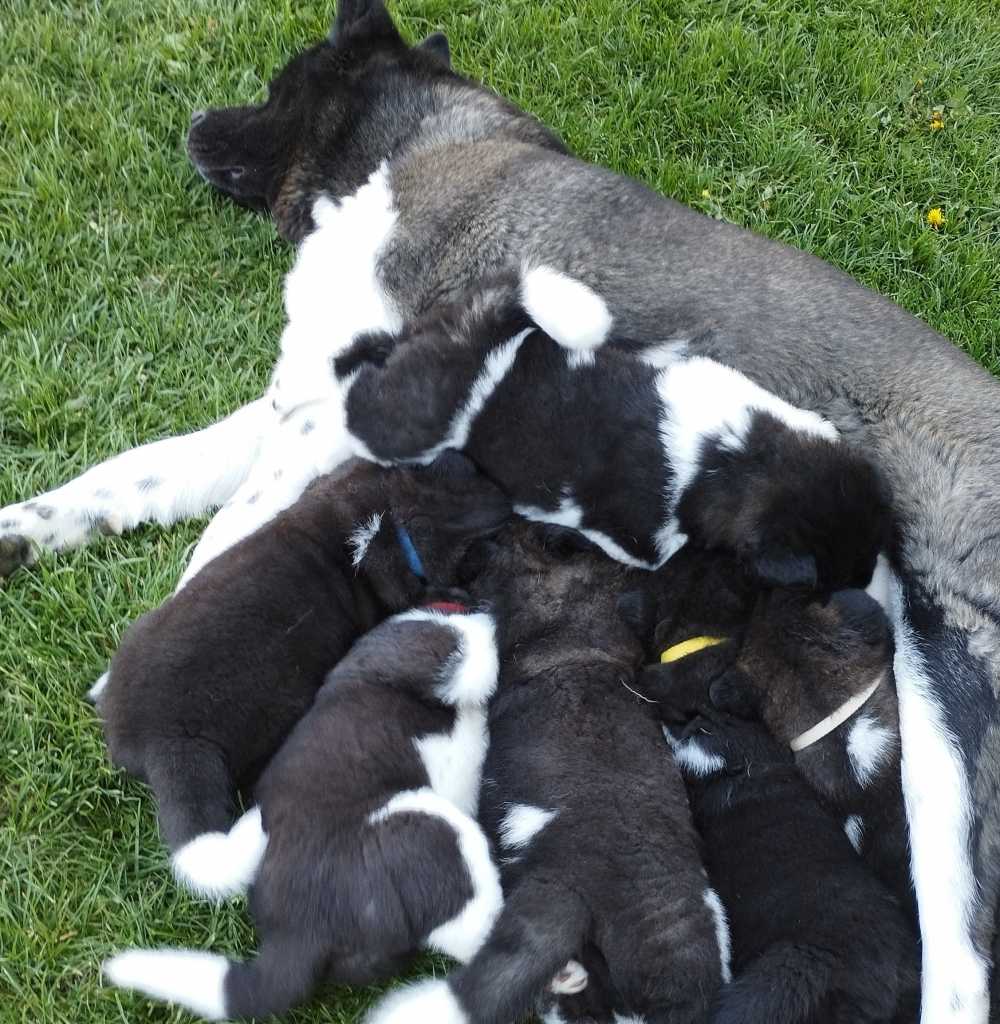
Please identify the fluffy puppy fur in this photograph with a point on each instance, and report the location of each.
(366, 848)
(204, 688)
(817, 939)
(800, 660)
(589, 817)
(637, 454)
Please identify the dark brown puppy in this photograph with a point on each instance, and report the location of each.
(587, 810)
(204, 688)
(822, 677)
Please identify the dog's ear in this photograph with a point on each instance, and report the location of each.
(775, 566)
(436, 44)
(362, 18)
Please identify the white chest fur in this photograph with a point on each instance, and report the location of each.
(333, 292)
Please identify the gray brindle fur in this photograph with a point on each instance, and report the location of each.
(431, 181)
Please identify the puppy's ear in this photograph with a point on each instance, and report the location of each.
(734, 694)
(369, 348)
(775, 566)
(436, 44)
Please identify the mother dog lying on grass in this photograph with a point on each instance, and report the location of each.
(403, 183)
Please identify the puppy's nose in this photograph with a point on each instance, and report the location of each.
(197, 117)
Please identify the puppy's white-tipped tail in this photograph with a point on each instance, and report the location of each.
(572, 314)
(184, 977)
(427, 1002)
(218, 865)
(94, 693)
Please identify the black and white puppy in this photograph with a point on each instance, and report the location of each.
(589, 818)
(818, 673)
(364, 844)
(639, 453)
(816, 937)
(204, 689)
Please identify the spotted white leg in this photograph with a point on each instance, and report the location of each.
(305, 444)
(161, 482)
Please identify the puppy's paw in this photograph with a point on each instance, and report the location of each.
(570, 980)
(15, 551)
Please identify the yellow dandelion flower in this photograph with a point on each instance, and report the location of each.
(935, 217)
(705, 194)
(937, 121)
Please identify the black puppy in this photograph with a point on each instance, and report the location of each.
(817, 939)
(638, 455)
(364, 844)
(204, 688)
(589, 818)
(823, 679)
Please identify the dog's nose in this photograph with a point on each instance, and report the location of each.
(197, 117)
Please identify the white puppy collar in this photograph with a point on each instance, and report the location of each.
(838, 717)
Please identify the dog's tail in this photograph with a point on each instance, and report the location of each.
(218, 865)
(542, 926)
(785, 985)
(281, 976)
(571, 313)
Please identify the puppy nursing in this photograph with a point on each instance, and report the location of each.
(638, 453)
(820, 676)
(367, 845)
(775, 780)
(205, 688)
(587, 813)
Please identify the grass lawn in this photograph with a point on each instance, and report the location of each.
(134, 304)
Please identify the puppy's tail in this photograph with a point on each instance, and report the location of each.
(784, 985)
(218, 865)
(541, 927)
(572, 314)
(216, 988)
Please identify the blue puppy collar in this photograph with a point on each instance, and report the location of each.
(410, 552)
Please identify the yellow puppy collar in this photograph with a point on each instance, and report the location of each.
(686, 647)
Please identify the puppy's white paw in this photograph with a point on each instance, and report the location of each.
(573, 978)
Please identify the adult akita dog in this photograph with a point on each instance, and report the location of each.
(403, 183)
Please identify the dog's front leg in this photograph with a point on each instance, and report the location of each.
(161, 482)
(303, 445)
